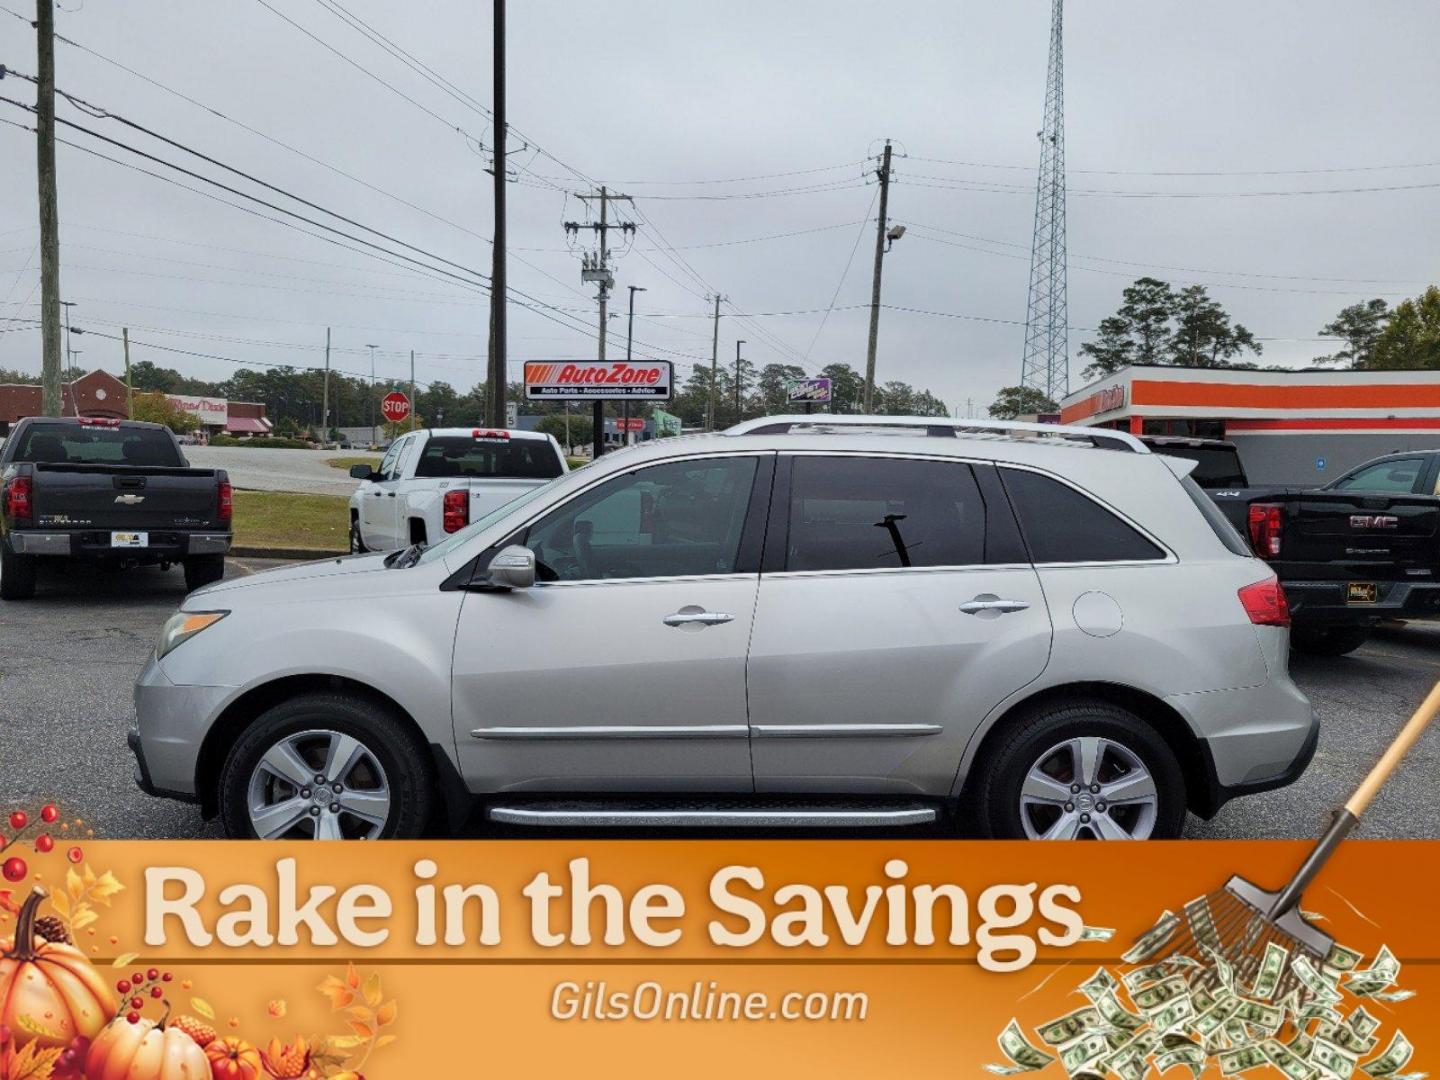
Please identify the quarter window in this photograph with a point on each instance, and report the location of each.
(678, 519)
(1063, 526)
(856, 513)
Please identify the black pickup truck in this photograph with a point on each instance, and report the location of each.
(118, 492)
(1363, 548)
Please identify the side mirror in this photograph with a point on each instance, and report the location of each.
(361, 472)
(512, 567)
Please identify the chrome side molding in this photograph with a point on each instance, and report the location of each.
(616, 731)
(843, 731)
(620, 817)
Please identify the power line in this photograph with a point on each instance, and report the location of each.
(864, 227)
(1201, 172)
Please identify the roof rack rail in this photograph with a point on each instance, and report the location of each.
(942, 427)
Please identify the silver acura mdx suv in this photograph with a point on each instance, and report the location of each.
(1033, 630)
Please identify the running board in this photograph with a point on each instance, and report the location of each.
(593, 815)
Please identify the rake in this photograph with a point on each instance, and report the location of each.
(1240, 920)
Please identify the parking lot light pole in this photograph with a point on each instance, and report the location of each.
(373, 440)
(738, 343)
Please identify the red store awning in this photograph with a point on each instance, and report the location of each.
(247, 425)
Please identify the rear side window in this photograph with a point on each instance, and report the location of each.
(1396, 477)
(527, 459)
(856, 513)
(1063, 526)
(81, 444)
(1224, 531)
(1215, 466)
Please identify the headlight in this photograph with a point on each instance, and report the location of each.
(182, 626)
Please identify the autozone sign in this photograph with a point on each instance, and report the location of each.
(649, 379)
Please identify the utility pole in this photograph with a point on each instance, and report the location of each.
(374, 441)
(883, 172)
(738, 380)
(596, 267)
(629, 342)
(325, 393)
(129, 386)
(51, 400)
(495, 384)
(714, 364)
(413, 399)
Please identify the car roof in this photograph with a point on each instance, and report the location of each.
(90, 421)
(469, 432)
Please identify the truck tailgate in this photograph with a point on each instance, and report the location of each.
(125, 497)
(491, 494)
(1369, 536)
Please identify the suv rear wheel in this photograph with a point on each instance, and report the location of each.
(1328, 640)
(1081, 770)
(326, 766)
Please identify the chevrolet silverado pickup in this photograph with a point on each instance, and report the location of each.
(118, 492)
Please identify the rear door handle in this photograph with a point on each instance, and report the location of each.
(1000, 607)
(704, 618)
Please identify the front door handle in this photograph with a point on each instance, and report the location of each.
(702, 618)
(992, 603)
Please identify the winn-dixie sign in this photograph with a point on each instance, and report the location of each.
(208, 410)
(649, 379)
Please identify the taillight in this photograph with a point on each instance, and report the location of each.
(226, 509)
(456, 510)
(17, 498)
(1265, 527)
(1265, 603)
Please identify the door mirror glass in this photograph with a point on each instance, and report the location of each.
(361, 472)
(512, 567)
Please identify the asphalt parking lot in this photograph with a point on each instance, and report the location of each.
(68, 659)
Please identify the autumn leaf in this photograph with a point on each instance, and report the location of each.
(73, 884)
(83, 917)
(372, 989)
(384, 1040)
(203, 1007)
(352, 977)
(343, 1042)
(386, 1013)
(124, 959)
(339, 994)
(33, 1063)
(88, 876)
(59, 901)
(105, 887)
(35, 1027)
(365, 1031)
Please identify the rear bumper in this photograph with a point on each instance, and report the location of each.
(1323, 603)
(95, 544)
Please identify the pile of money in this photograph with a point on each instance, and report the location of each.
(1200, 1011)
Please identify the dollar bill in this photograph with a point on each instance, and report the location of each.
(1380, 975)
(1345, 1037)
(1213, 1018)
(1202, 923)
(1223, 971)
(1160, 994)
(1191, 1056)
(1319, 987)
(1302, 1044)
(1396, 1056)
(1241, 1059)
(1287, 1061)
(1102, 982)
(1267, 1017)
(1023, 1056)
(1272, 966)
(1069, 1027)
(1342, 959)
(1115, 1014)
(1153, 940)
(1173, 1015)
(1392, 996)
(1142, 976)
(1096, 933)
(1335, 1060)
(1361, 1022)
(1083, 1052)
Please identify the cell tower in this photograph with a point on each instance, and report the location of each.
(1046, 365)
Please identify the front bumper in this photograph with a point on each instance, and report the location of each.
(95, 544)
(1323, 603)
(171, 723)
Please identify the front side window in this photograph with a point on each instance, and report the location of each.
(1396, 477)
(1061, 525)
(857, 513)
(387, 463)
(678, 519)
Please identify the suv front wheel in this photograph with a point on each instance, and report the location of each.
(326, 766)
(1083, 770)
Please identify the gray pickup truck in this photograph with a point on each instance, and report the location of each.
(118, 492)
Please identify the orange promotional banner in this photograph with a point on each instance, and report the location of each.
(701, 958)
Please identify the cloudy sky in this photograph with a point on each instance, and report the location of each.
(741, 130)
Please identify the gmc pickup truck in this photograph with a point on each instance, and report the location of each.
(435, 481)
(117, 492)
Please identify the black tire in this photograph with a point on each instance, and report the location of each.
(1328, 640)
(201, 570)
(357, 545)
(995, 793)
(17, 574)
(408, 771)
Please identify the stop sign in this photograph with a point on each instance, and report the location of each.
(395, 407)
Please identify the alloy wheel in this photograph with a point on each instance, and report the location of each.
(1088, 788)
(318, 785)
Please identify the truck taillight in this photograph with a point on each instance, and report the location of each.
(1265, 603)
(226, 509)
(456, 510)
(1265, 528)
(17, 499)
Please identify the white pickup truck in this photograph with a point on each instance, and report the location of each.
(435, 481)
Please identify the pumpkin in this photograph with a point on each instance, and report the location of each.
(145, 1050)
(233, 1059)
(49, 993)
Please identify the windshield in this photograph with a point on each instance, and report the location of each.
(476, 527)
(1216, 466)
(80, 444)
(481, 457)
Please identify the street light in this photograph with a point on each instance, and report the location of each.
(629, 341)
(373, 440)
(738, 343)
